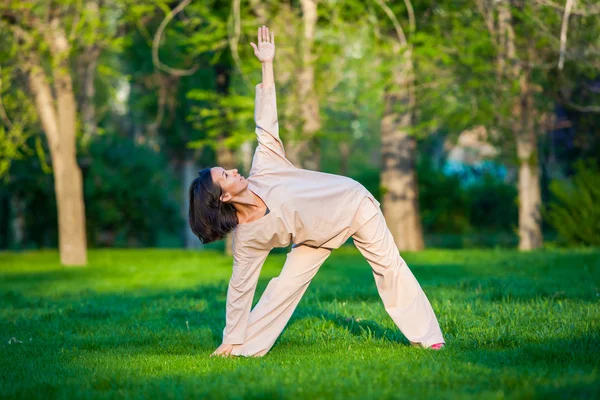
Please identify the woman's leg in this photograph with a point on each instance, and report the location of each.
(402, 296)
(279, 300)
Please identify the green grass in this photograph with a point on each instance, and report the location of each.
(516, 326)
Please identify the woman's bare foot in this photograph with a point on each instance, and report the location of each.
(436, 346)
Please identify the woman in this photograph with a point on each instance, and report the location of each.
(279, 204)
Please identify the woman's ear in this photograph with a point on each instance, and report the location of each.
(226, 197)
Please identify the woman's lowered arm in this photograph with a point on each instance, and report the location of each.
(240, 293)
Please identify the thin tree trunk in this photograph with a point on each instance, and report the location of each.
(90, 63)
(188, 169)
(306, 151)
(59, 126)
(398, 148)
(18, 221)
(344, 157)
(226, 160)
(88, 107)
(246, 150)
(5, 221)
(530, 232)
(225, 157)
(530, 219)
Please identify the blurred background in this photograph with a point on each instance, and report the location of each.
(475, 123)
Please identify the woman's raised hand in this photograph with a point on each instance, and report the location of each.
(265, 51)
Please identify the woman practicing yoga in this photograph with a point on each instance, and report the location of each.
(279, 204)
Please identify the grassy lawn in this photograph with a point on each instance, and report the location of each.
(141, 324)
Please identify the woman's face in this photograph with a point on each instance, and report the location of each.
(230, 182)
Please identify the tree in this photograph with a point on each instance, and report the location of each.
(36, 29)
(398, 144)
(530, 40)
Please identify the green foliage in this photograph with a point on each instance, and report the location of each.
(17, 114)
(128, 191)
(575, 211)
(128, 194)
(12, 147)
(453, 54)
(449, 207)
(370, 179)
(29, 195)
(492, 204)
(217, 114)
(443, 204)
(142, 323)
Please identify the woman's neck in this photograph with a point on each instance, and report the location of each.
(249, 206)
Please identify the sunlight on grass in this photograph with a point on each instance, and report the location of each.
(141, 323)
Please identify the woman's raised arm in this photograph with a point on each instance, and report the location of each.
(265, 107)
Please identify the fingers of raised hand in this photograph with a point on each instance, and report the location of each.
(264, 36)
(261, 34)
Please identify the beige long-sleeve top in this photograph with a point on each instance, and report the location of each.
(306, 207)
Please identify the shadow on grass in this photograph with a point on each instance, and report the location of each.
(149, 323)
(171, 309)
(359, 284)
(139, 317)
(553, 369)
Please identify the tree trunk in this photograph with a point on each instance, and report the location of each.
(188, 169)
(88, 108)
(306, 150)
(344, 157)
(59, 126)
(530, 232)
(5, 221)
(530, 219)
(398, 148)
(246, 150)
(226, 160)
(18, 222)
(225, 157)
(89, 65)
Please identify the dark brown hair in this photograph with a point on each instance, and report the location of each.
(210, 219)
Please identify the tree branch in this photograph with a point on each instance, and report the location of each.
(589, 11)
(590, 109)
(235, 38)
(412, 26)
(397, 26)
(563, 33)
(156, 43)
(76, 20)
(488, 17)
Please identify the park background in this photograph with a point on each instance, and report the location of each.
(475, 123)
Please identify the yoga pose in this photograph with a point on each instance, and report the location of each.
(279, 204)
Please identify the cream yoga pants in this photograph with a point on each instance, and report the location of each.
(402, 296)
